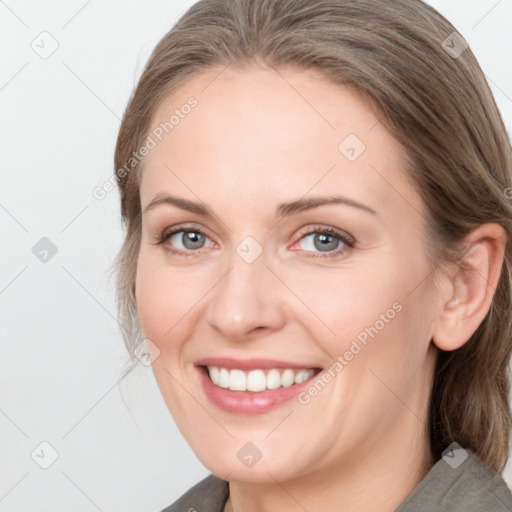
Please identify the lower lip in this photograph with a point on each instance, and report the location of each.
(249, 402)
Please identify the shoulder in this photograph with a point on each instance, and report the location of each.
(460, 481)
(209, 495)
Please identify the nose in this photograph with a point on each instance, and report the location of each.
(246, 301)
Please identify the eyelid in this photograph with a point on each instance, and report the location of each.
(319, 228)
(172, 230)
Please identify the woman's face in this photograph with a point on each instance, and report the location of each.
(303, 258)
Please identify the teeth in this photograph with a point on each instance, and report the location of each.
(288, 378)
(237, 380)
(273, 379)
(223, 378)
(257, 380)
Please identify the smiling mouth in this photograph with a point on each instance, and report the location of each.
(258, 380)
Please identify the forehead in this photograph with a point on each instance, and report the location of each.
(282, 131)
(263, 105)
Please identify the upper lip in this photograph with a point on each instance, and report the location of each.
(250, 364)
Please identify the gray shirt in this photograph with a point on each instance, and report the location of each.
(450, 485)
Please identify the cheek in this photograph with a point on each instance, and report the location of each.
(343, 302)
(169, 302)
(162, 307)
(159, 303)
(380, 315)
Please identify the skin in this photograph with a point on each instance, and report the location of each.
(258, 138)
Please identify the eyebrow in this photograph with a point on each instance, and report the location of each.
(282, 210)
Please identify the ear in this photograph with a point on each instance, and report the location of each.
(469, 293)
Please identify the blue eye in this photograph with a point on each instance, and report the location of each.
(183, 241)
(325, 240)
(189, 239)
(322, 242)
(319, 242)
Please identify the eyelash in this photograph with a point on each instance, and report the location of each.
(346, 240)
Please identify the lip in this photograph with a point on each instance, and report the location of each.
(249, 403)
(250, 364)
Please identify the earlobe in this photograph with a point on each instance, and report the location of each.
(471, 287)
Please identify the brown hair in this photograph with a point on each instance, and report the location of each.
(396, 55)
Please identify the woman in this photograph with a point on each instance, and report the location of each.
(318, 255)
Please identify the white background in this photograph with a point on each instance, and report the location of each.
(62, 353)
